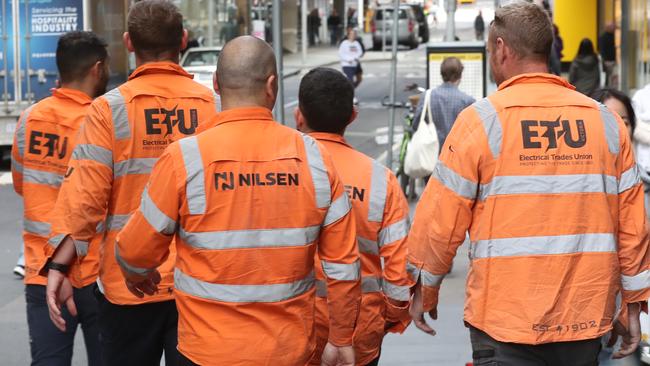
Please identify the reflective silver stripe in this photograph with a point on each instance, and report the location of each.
(36, 227)
(134, 166)
(342, 271)
(393, 232)
(611, 129)
(195, 186)
(339, 208)
(93, 152)
(635, 283)
(491, 124)
(240, 239)
(101, 227)
(81, 247)
(378, 193)
(155, 217)
(40, 177)
(119, 114)
(396, 292)
(15, 165)
(129, 268)
(629, 179)
(429, 279)
(117, 222)
(368, 284)
(550, 184)
(242, 293)
(56, 240)
(367, 246)
(20, 131)
(318, 172)
(544, 245)
(455, 182)
(413, 271)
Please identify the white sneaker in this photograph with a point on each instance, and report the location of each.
(355, 101)
(19, 271)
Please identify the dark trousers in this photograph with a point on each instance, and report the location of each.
(51, 347)
(490, 352)
(374, 362)
(138, 334)
(350, 72)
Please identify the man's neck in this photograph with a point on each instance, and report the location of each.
(140, 62)
(527, 68)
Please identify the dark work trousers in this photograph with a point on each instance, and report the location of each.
(138, 334)
(374, 362)
(51, 347)
(184, 361)
(490, 352)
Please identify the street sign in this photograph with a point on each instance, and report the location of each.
(473, 57)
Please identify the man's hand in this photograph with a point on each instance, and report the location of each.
(417, 312)
(337, 356)
(631, 336)
(59, 291)
(141, 285)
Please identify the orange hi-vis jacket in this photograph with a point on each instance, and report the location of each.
(126, 131)
(44, 142)
(382, 219)
(249, 203)
(545, 181)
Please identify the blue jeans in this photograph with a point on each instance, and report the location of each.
(51, 347)
(21, 259)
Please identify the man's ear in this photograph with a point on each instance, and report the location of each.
(300, 119)
(127, 42)
(271, 90)
(354, 115)
(501, 50)
(184, 40)
(215, 82)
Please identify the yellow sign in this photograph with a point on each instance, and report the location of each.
(474, 56)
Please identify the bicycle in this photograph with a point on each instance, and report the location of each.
(406, 182)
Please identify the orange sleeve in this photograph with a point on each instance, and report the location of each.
(444, 213)
(143, 244)
(17, 153)
(633, 249)
(339, 255)
(392, 248)
(89, 179)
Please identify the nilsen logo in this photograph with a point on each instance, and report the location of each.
(227, 181)
(538, 134)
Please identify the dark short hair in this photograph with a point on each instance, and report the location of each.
(155, 28)
(451, 69)
(601, 95)
(525, 28)
(77, 52)
(326, 100)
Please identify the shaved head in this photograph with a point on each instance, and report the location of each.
(245, 65)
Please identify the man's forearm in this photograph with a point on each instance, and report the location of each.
(66, 252)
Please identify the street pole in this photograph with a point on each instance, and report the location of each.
(303, 21)
(211, 13)
(278, 111)
(450, 6)
(360, 17)
(626, 47)
(383, 32)
(393, 85)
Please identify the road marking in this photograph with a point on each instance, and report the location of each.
(291, 104)
(5, 179)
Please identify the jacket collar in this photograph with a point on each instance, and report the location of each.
(73, 94)
(328, 136)
(164, 67)
(536, 78)
(244, 114)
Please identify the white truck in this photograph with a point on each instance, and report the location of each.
(29, 31)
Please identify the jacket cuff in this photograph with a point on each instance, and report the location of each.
(399, 315)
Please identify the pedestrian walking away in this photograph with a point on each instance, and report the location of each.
(334, 24)
(245, 273)
(544, 180)
(607, 47)
(45, 138)
(381, 214)
(350, 52)
(125, 132)
(584, 72)
(479, 26)
(446, 101)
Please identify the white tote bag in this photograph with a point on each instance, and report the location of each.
(422, 150)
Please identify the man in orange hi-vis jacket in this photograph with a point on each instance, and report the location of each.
(381, 214)
(544, 180)
(125, 133)
(249, 203)
(44, 142)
